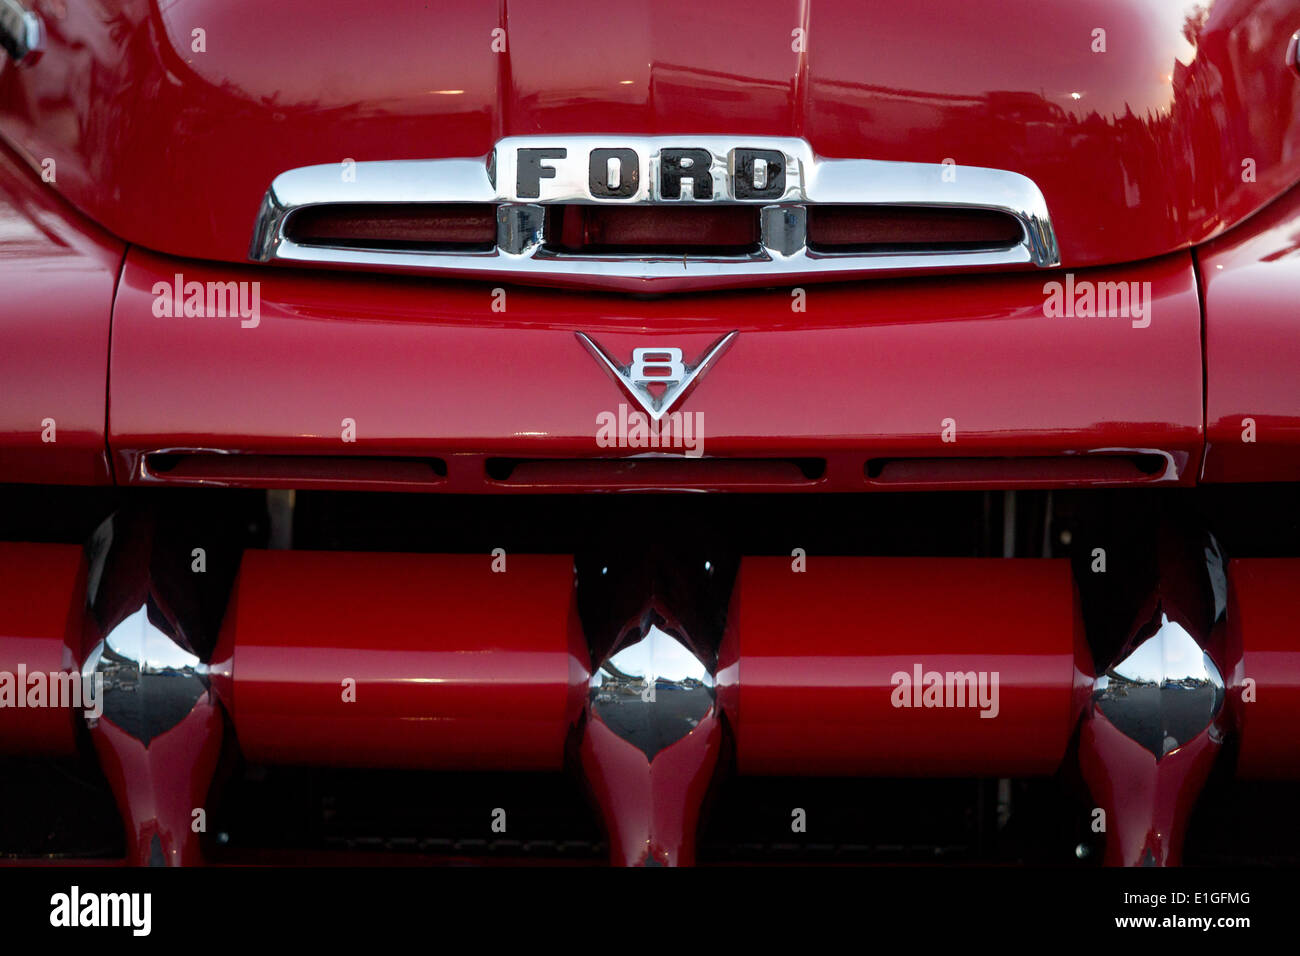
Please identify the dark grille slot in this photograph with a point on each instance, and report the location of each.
(1044, 470)
(669, 230)
(459, 227)
(908, 228)
(649, 472)
(292, 470)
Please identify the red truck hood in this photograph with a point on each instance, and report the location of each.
(1148, 125)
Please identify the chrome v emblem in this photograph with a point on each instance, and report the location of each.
(657, 367)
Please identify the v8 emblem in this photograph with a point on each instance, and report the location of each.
(658, 378)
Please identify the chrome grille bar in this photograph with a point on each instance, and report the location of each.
(555, 169)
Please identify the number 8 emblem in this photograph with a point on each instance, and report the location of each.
(645, 359)
(651, 367)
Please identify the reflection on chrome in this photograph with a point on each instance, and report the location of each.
(1164, 693)
(653, 690)
(150, 681)
(22, 34)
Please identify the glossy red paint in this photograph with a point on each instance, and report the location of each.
(807, 674)
(868, 371)
(455, 667)
(42, 618)
(1148, 803)
(58, 272)
(159, 786)
(1251, 284)
(1261, 618)
(1138, 149)
(650, 808)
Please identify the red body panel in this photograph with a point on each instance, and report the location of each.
(1262, 619)
(158, 787)
(1137, 148)
(808, 674)
(1251, 280)
(868, 371)
(1148, 802)
(651, 808)
(454, 666)
(58, 272)
(42, 603)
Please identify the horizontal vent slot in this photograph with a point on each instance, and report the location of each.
(1046, 470)
(656, 471)
(577, 229)
(669, 230)
(908, 228)
(461, 227)
(257, 469)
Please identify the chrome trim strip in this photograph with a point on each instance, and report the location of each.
(21, 32)
(782, 255)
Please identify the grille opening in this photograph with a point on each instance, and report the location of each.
(717, 230)
(651, 471)
(379, 815)
(433, 227)
(650, 230)
(909, 229)
(200, 467)
(1041, 469)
